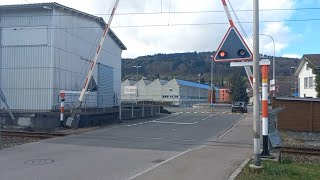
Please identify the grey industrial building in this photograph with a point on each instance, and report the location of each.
(47, 47)
(176, 92)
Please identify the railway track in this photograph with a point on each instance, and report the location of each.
(301, 151)
(38, 135)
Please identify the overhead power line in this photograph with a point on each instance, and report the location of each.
(165, 25)
(180, 12)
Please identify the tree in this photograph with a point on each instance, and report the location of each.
(238, 89)
(316, 71)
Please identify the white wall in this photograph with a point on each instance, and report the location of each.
(124, 96)
(308, 92)
(154, 91)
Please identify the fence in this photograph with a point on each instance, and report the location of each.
(130, 109)
(90, 103)
(299, 114)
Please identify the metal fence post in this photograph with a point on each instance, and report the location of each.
(132, 111)
(120, 111)
(143, 109)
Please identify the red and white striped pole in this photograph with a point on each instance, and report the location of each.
(62, 99)
(265, 140)
(226, 9)
(247, 68)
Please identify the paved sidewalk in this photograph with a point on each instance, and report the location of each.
(217, 160)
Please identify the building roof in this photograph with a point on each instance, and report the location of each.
(162, 81)
(147, 82)
(313, 59)
(299, 99)
(131, 82)
(310, 58)
(54, 4)
(192, 84)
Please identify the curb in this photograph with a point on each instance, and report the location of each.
(238, 170)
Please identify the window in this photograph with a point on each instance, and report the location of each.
(310, 82)
(307, 66)
(306, 83)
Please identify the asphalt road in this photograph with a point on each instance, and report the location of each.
(120, 151)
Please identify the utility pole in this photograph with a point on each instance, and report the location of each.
(137, 71)
(256, 102)
(211, 95)
(137, 92)
(199, 88)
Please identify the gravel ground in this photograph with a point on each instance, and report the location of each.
(6, 142)
(14, 141)
(302, 140)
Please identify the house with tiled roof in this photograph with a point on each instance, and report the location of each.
(306, 77)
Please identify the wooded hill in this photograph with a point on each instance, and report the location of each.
(188, 65)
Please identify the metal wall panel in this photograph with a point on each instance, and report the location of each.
(26, 77)
(27, 36)
(74, 48)
(32, 75)
(106, 95)
(25, 17)
(26, 67)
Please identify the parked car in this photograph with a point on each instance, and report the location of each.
(239, 106)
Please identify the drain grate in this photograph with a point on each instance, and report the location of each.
(39, 162)
(158, 160)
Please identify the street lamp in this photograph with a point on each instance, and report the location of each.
(274, 62)
(137, 70)
(137, 81)
(199, 87)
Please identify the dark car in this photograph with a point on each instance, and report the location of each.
(239, 106)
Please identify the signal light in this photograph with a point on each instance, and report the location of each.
(241, 52)
(222, 54)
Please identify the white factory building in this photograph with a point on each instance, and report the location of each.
(174, 92)
(48, 47)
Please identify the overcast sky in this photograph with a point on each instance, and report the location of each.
(290, 37)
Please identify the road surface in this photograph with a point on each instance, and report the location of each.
(117, 152)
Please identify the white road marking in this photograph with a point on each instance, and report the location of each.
(129, 125)
(157, 165)
(223, 134)
(169, 122)
(207, 117)
(203, 112)
(238, 170)
(187, 112)
(195, 112)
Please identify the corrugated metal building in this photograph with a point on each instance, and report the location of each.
(176, 92)
(47, 47)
